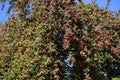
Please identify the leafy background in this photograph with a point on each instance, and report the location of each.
(60, 40)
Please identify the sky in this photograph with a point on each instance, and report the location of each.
(3, 13)
(114, 6)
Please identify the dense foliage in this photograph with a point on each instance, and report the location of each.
(59, 40)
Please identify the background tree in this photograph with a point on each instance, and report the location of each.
(49, 39)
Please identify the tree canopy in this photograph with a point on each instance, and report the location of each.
(59, 40)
